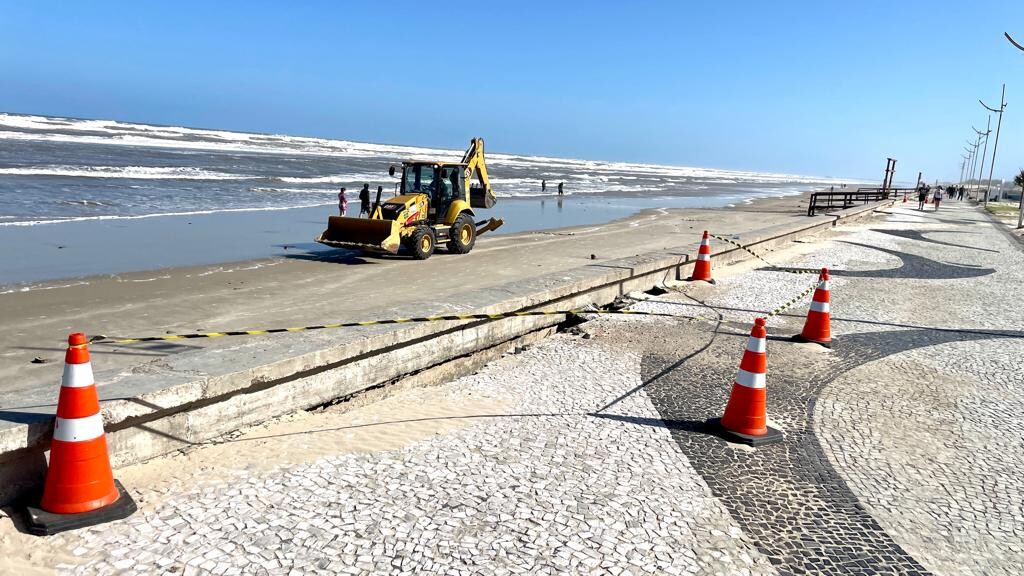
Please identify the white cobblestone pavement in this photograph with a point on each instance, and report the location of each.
(924, 434)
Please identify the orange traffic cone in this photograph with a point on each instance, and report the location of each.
(818, 327)
(80, 489)
(702, 267)
(745, 417)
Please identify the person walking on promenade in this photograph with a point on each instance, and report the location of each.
(937, 198)
(960, 194)
(342, 202)
(922, 196)
(364, 200)
(560, 188)
(543, 185)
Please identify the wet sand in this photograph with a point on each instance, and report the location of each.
(304, 288)
(72, 250)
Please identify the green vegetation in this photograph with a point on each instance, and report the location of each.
(1003, 208)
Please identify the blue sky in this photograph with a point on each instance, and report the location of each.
(824, 88)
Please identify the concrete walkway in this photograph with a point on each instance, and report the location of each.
(586, 452)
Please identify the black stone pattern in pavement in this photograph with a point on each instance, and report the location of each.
(915, 267)
(788, 498)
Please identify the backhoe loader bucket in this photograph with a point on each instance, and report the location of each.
(487, 225)
(368, 234)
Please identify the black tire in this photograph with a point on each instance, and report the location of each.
(422, 242)
(462, 236)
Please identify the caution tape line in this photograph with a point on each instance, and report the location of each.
(761, 258)
(172, 337)
(792, 301)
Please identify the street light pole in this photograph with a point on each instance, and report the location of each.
(1020, 207)
(974, 158)
(999, 125)
(981, 167)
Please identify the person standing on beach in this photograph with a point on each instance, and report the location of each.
(342, 202)
(543, 185)
(937, 198)
(560, 188)
(364, 200)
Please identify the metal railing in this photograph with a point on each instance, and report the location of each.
(833, 200)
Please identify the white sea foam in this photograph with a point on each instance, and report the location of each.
(365, 177)
(32, 287)
(127, 134)
(158, 215)
(271, 190)
(133, 172)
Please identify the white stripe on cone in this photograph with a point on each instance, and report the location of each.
(823, 285)
(77, 375)
(78, 429)
(756, 344)
(750, 379)
(706, 257)
(819, 306)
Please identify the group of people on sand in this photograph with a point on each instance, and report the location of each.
(364, 200)
(924, 191)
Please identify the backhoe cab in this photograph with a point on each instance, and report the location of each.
(434, 204)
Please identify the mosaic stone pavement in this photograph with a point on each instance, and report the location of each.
(896, 459)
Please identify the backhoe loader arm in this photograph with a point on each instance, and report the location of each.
(482, 196)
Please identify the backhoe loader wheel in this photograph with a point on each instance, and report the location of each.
(463, 235)
(422, 243)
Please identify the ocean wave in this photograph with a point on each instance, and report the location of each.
(271, 190)
(128, 134)
(158, 215)
(132, 172)
(361, 177)
(31, 287)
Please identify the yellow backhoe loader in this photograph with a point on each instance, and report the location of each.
(435, 204)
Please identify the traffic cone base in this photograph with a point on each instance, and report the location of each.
(43, 523)
(800, 338)
(771, 435)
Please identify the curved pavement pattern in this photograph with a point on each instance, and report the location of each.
(904, 448)
(903, 451)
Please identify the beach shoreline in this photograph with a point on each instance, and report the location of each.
(50, 255)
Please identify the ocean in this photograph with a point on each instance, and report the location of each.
(81, 198)
(56, 170)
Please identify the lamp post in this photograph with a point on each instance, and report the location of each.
(981, 167)
(1020, 207)
(974, 158)
(999, 125)
(967, 163)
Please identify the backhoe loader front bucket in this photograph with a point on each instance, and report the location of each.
(487, 225)
(370, 234)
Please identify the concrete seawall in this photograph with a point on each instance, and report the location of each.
(193, 397)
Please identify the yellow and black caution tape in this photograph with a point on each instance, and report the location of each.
(456, 317)
(761, 258)
(792, 302)
(171, 337)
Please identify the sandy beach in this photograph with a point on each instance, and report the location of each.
(75, 250)
(303, 288)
